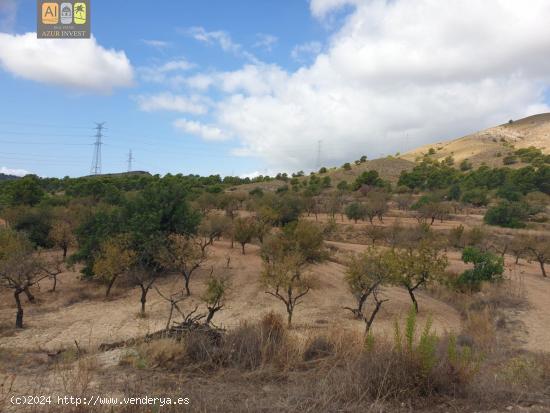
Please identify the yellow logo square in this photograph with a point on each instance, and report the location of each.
(80, 13)
(50, 13)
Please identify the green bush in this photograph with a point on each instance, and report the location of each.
(476, 197)
(487, 267)
(465, 165)
(507, 214)
(510, 160)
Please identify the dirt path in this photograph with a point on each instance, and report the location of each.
(536, 318)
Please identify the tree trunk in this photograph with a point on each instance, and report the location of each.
(170, 316)
(541, 263)
(54, 283)
(65, 248)
(413, 298)
(360, 304)
(19, 316)
(29, 294)
(242, 245)
(187, 290)
(143, 299)
(111, 283)
(372, 316)
(289, 319)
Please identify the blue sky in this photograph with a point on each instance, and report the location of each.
(60, 120)
(248, 87)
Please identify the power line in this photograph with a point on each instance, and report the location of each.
(43, 125)
(96, 161)
(46, 143)
(66, 135)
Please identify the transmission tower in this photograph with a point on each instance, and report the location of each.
(130, 160)
(319, 153)
(96, 161)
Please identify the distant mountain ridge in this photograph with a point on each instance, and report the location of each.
(4, 177)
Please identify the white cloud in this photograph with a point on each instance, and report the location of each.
(200, 81)
(265, 41)
(174, 103)
(164, 73)
(222, 39)
(8, 13)
(206, 132)
(80, 64)
(157, 44)
(11, 171)
(397, 74)
(304, 51)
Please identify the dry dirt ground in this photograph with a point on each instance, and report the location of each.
(78, 311)
(55, 322)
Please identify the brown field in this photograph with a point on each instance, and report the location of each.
(77, 318)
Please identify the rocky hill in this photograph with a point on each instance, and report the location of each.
(492, 145)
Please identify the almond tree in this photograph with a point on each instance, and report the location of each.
(210, 228)
(115, 259)
(244, 229)
(19, 268)
(214, 296)
(183, 255)
(52, 267)
(144, 278)
(286, 258)
(62, 233)
(414, 268)
(283, 276)
(538, 247)
(365, 275)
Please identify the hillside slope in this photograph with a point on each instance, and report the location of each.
(493, 144)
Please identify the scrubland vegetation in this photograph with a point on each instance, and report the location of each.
(439, 234)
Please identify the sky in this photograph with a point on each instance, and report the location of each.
(258, 87)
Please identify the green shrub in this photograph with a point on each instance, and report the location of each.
(465, 165)
(487, 267)
(507, 214)
(476, 197)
